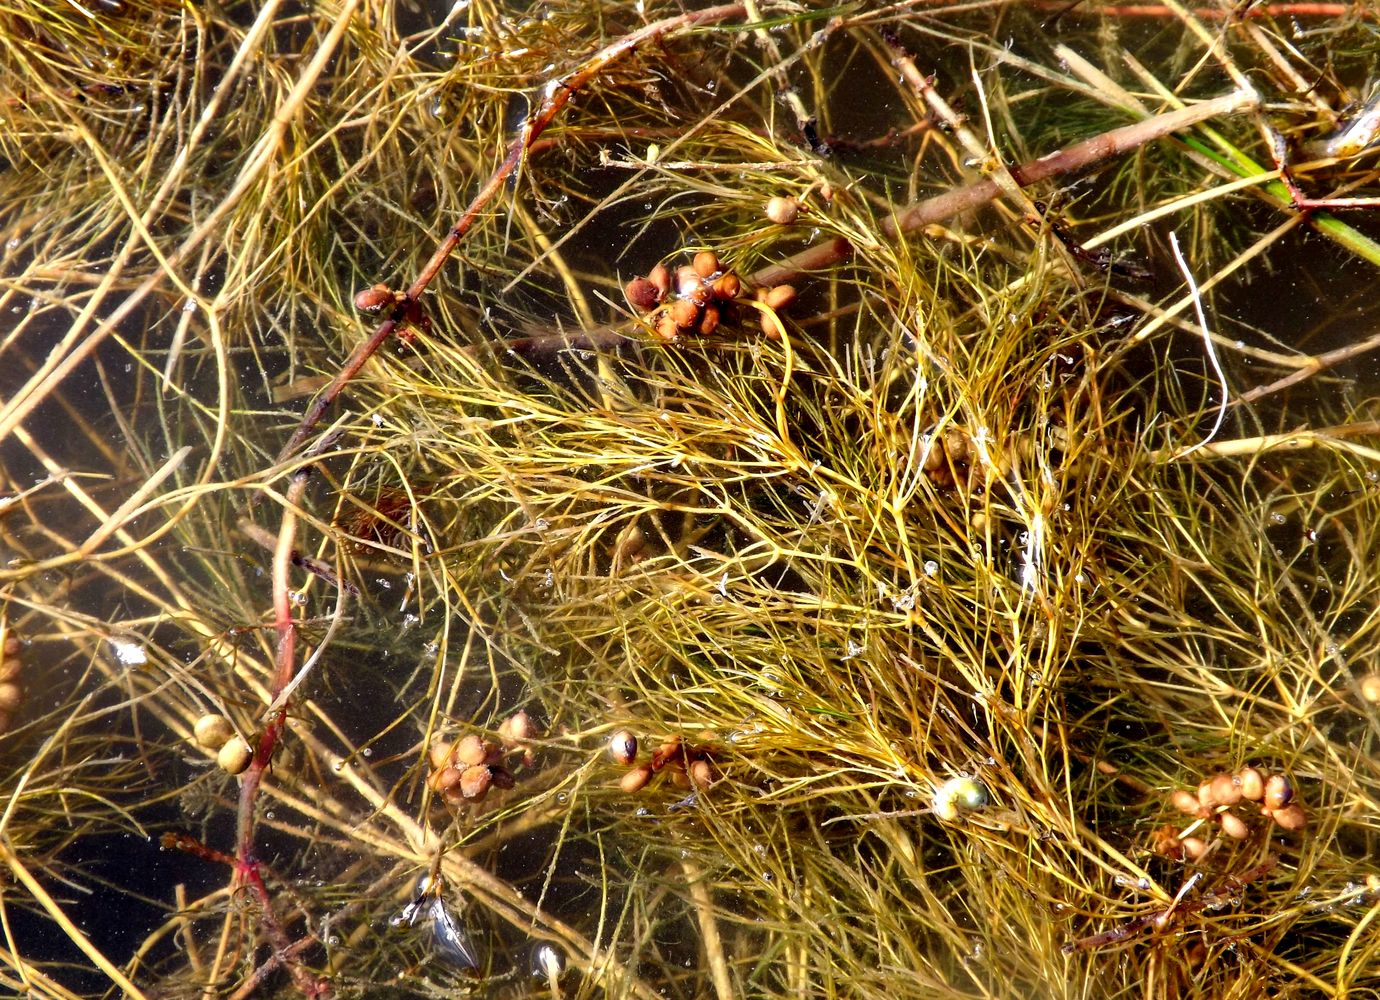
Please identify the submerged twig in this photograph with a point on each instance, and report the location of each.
(939, 208)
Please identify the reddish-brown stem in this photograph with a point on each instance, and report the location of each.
(1240, 12)
(917, 215)
(246, 864)
(558, 94)
(965, 199)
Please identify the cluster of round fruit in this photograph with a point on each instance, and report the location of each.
(216, 734)
(947, 456)
(464, 770)
(11, 690)
(1217, 795)
(697, 296)
(689, 767)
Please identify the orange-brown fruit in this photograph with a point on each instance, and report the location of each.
(642, 294)
(709, 322)
(1252, 783)
(636, 779)
(1186, 802)
(623, 747)
(668, 752)
(475, 782)
(1234, 826)
(706, 264)
(1279, 792)
(1205, 797)
(702, 773)
(660, 278)
(440, 754)
(445, 779)
(689, 285)
(474, 750)
(517, 729)
(373, 299)
(686, 314)
(780, 296)
(1290, 817)
(727, 286)
(1226, 790)
(783, 211)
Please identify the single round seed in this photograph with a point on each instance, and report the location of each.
(11, 647)
(475, 782)
(727, 286)
(1252, 783)
(10, 668)
(1279, 792)
(636, 779)
(772, 326)
(780, 296)
(11, 695)
(1186, 802)
(1194, 847)
(1370, 688)
(212, 731)
(373, 299)
(1225, 790)
(660, 278)
(686, 314)
(1234, 826)
(709, 322)
(441, 753)
(1290, 817)
(706, 264)
(623, 747)
(783, 211)
(473, 750)
(642, 294)
(235, 755)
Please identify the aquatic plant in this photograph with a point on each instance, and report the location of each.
(797, 501)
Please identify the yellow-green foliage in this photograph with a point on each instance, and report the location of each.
(945, 591)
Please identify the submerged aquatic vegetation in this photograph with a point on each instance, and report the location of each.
(800, 535)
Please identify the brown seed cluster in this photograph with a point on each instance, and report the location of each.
(465, 769)
(698, 297)
(11, 683)
(949, 458)
(1217, 799)
(688, 766)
